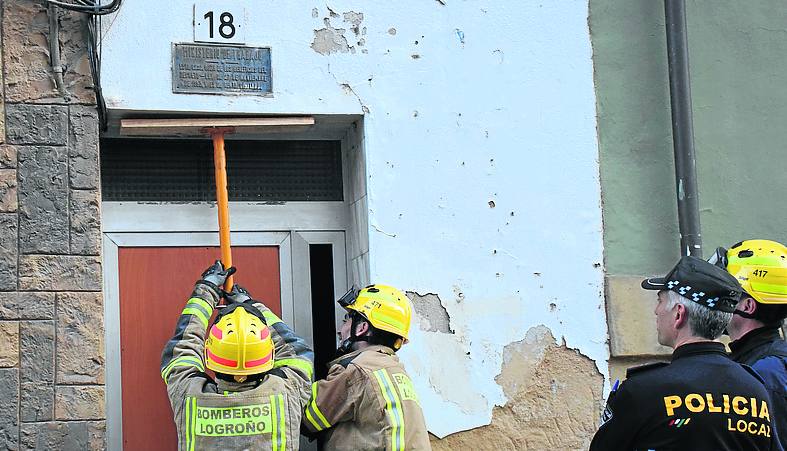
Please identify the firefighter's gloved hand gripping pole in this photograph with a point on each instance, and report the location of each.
(222, 197)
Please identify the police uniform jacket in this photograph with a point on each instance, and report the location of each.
(766, 352)
(262, 414)
(367, 402)
(702, 400)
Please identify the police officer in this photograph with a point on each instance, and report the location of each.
(263, 372)
(761, 268)
(367, 401)
(701, 400)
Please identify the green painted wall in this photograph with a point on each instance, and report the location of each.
(738, 58)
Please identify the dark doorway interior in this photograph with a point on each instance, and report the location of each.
(323, 317)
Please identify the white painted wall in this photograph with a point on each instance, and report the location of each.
(498, 106)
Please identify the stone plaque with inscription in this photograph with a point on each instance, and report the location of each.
(221, 69)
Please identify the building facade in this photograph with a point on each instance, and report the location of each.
(499, 161)
(737, 102)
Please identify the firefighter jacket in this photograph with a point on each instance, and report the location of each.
(701, 401)
(367, 402)
(766, 352)
(262, 414)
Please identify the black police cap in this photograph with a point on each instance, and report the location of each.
(702, 282)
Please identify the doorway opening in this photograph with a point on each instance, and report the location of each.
(301, 197)
(323, 307)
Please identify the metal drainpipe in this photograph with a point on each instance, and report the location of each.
(683, 129)
(54, 50)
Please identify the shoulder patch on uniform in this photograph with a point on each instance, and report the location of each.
(345, 362)
(753, 373)
(642, 368)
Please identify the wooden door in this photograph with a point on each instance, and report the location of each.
(155, 283)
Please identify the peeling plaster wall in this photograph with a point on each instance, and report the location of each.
(553, 393)
(481, 162)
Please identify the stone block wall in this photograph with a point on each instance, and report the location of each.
(51, 305)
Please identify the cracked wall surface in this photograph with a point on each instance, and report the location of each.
(478, 144)
(329, 40)
(553, 399)
(434, 317)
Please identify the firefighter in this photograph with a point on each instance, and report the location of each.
(701, 400)
(263, 372)
(367, 401)
(761, 268)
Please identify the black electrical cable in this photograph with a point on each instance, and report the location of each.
(88, 7)
(95, 10)
(94, 57)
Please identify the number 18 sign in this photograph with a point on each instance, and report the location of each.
(223, 22)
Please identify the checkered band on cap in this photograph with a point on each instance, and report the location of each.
(696, 295)
(701, 282)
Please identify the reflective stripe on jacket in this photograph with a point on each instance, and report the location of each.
(367, 402)
(263, 414)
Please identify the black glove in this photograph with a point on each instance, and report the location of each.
(216, 275)
(238, 295)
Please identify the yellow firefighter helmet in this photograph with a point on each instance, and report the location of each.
(385, 307)
(761, 268)
(239, 342)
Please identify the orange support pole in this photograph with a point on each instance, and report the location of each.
(222, 198)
